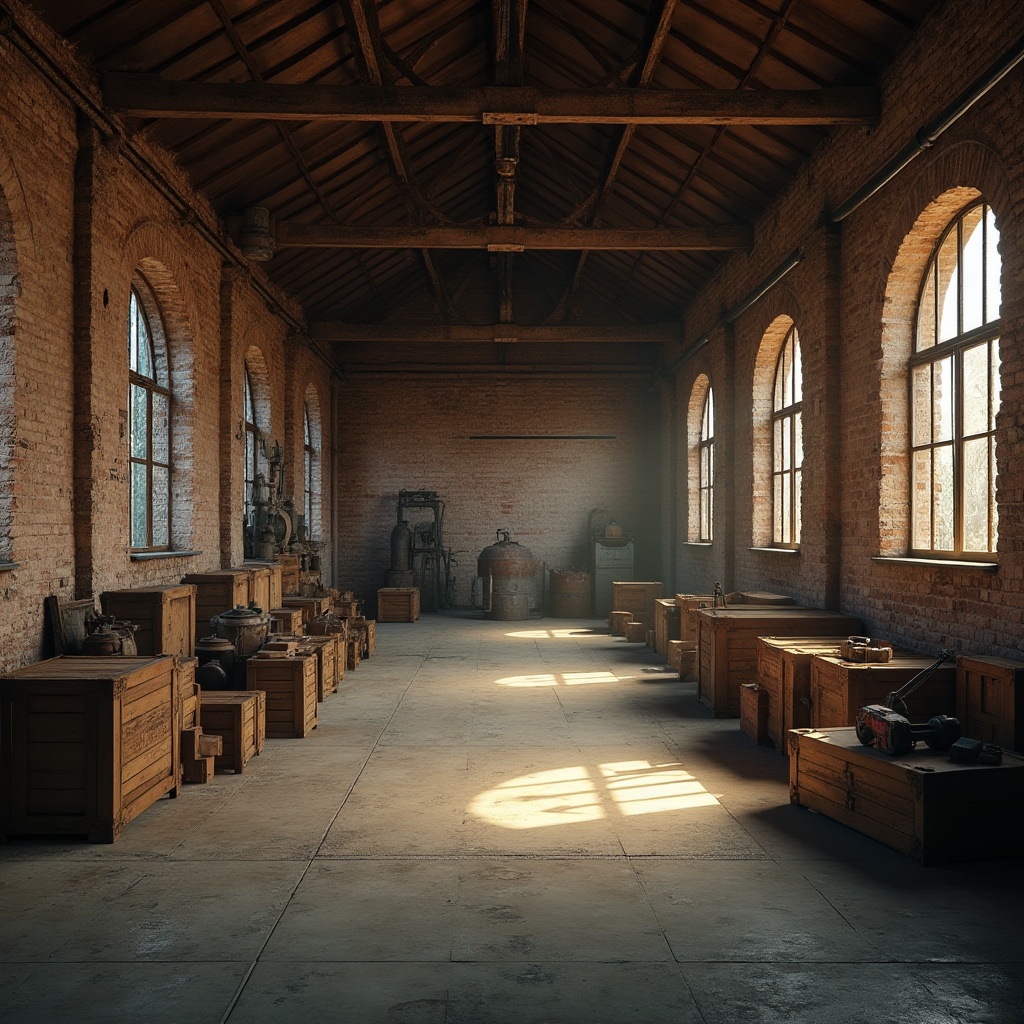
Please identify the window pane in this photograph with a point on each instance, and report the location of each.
(778, 400)
(921, 491)
(797, 501)
(971, 270)
(138, 422)
(160, 428)
(948, 283)
(798, 440)
(975, 389)
(787, 508)
(777, 510)
(993, 289)
(921, 405)
(942, 498)
(926, 313)
(139, 506)
(942, 383)
(145, 366)
(133, 332)
(777, 426)
(787, 443)
(976, 494)
(995, 384)
(161, 506)
(798, 370)
(709, 416)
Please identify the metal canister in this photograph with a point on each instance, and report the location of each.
(508, 572)
(247, 628)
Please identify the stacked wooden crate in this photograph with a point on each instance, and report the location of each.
(290, 684)
(165, 616)
(311, 607)
(398, 604)
(666, 624)
(290, 568)
(637, 598)
(216, 593)
(89, 743)
(286, 620)
(239, 718)
(990, 700)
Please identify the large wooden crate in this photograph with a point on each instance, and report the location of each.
(166, 617)
(754, 712)
(259, 587)
(87, 744)
(689, 605)
(990, 700)
(784, 672)
(217, 592)
(637, 598)
(727, 646)
(311, 607)
(666, 624)
(325, 649)
(398, 604)
(188, 693)
(290, 567)
(922, 804)
(839, 689)
(239, 717)
(290, 686)
(274, 570)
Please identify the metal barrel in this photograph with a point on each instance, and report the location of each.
(510, 568)
(569, 594)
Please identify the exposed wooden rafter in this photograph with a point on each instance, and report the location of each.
(499, 332)
(151, 96)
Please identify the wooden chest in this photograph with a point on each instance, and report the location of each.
(990, 700)
(286, 620)
(839, 689)
(217, 592)
(166, 617)
(87, 744)
(290, 686)
(637, 598)
(727, 646)
(398, 604)
(754, 712)
(325, 649)
(784, 672)
(311, 607)
(922, 804)
(289, 573)
(666, 624)
(276, 591)
(239, 717)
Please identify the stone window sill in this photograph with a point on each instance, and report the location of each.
(151, 556)
(776, 551)
(934, 563)
(697, 544)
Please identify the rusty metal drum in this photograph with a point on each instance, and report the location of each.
(508, 572)
(569, 594)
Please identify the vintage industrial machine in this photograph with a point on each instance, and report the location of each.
(418, 555)
(505, 586)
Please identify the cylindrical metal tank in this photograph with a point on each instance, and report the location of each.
(569, 594)
(507, 570)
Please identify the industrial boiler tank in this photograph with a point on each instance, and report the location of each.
(507, 572)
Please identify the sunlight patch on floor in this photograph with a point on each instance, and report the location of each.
(557, 634)
(559, 679)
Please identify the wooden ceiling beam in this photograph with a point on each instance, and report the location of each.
(150, 96)
(510, 238)
(495, 333)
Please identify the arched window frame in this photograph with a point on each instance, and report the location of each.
(954, 393)
(706, 470)
(787, 444)
(253, 438)
(149, 425)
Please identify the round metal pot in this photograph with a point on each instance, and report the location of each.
(508, 571)
(246, 628)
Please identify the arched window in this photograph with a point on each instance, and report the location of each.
(309, 458)
(706, 470)
(787, 443)
(954, 392)
(252, 443)
(149, 431)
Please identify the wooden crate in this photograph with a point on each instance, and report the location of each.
(990, 700)
(617, 622)
(754, 712)
(188, 693)
(398, 604)
(727, 646)
(89, 743)
(217, 592)
(276, 591)
(922, 804)
(666, 624)
(784, 672)
(290, 567)
(689, 605)
(682, 656)
(368, 627)
(637, 598)
(354, 653)
(290, 686)
(311, 607)
(239, 718)
(839, 689)
(166, 617)
(259, 587)
(636, 632)
(325, 649)
(347, 609)
(286, 620)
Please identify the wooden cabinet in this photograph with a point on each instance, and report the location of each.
(922, 804)
(839, 689)
(88, 744)
(727, 646)
(398, 604)
(990, 700)
(637, 598)
(217, 592)
(166, 617)
(290, 686)
(239, 717)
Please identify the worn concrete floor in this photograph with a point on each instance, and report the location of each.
(504, 823)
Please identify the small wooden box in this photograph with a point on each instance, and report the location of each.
(239, 718)
(325, 648)
(637, 598)
(666, 624)
(290, 567)
(217, 592)
(990, 700)
(166, 617)
(636, 632)
(617, 622)
(286, 620)
(347, 609)
(290, 686)
(727, 646)
(398, 604)
(368, 629)
(754, 712)
(276, 589)
(259, 587)
(88, 744)
(311, 607)
(839, 689)
(689, 605)
(784, 671)
(682, 656)
(353, 653)
(922, 804)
